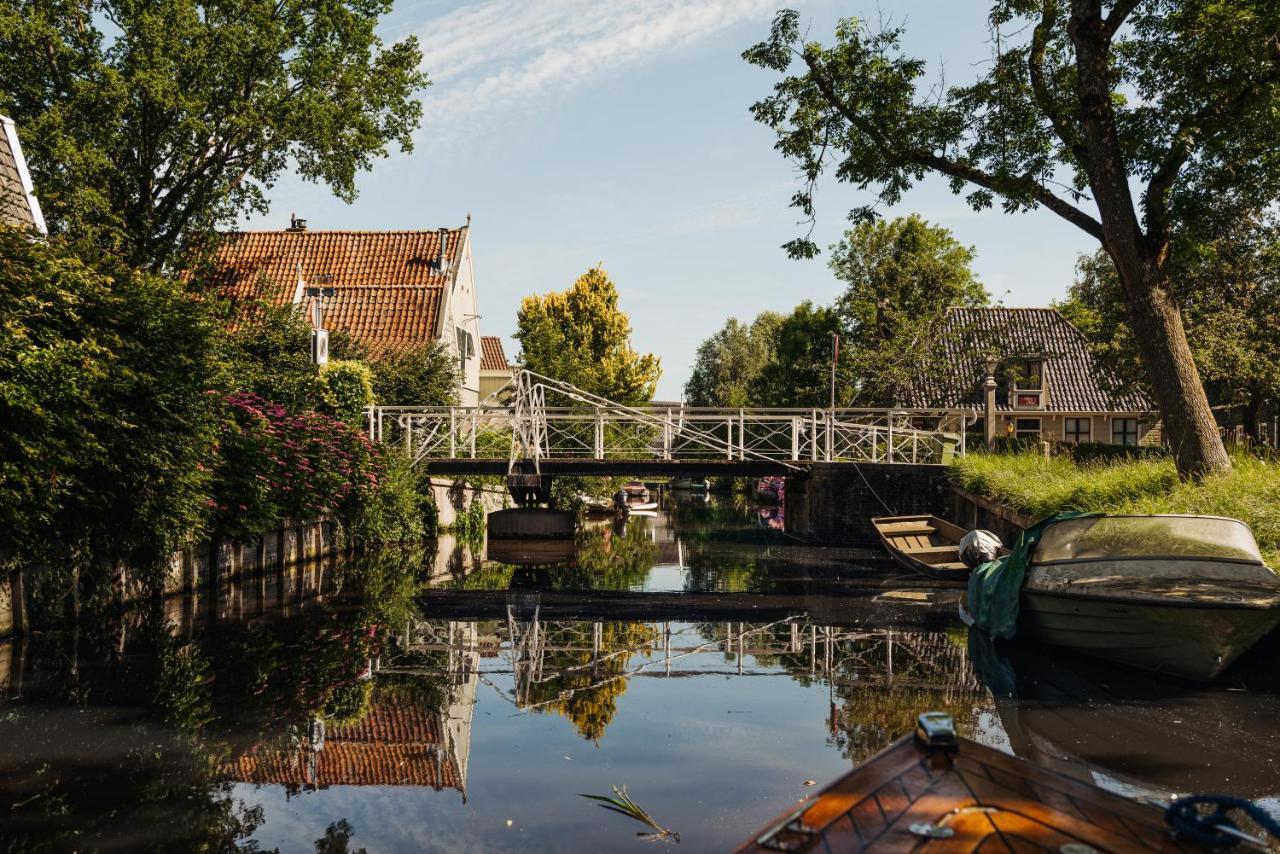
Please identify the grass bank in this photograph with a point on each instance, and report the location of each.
(1036, 486)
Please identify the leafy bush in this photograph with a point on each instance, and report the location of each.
(346, 389)
(469, 524)
(401, 511)
(421, 375)
(278, 465)
(104, 373)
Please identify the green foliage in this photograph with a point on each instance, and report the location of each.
(277, 465)
(1038, 487)
(470, 523)
(581, 337)
(267, 352)
(347, 389)
(145, 135)
(728, 363)
(1192, 87)
(400, 511)
(420, 375)
(799, 372)
(900, 277)
(104, 395)
(1225, 272)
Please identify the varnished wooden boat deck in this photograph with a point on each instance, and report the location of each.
(992, 801)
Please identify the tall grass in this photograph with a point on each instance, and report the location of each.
(1038, 487)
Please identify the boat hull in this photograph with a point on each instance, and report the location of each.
(1187, 641)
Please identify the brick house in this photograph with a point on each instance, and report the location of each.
(389, 288)
(1048, 385)
(18, 204)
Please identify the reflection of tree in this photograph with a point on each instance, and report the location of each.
(579, 684)
(337, 839)
(125, 728)
(613, 558)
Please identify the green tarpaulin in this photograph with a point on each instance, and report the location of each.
(994, 587)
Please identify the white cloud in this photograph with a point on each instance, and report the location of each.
(500, 53)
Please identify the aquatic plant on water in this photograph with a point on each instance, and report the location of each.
(621, 803)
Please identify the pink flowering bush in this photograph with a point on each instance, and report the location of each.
(276, 465)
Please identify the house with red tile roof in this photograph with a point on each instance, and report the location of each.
(391, 289)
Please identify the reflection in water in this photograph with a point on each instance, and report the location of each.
(409, 701)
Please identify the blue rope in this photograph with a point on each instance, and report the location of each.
(1185, 817)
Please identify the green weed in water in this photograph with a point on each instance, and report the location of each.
(621, 803)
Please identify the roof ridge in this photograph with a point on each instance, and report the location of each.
(344, 230)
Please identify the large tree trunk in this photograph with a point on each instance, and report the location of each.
(1140, 257)
(1189, 425)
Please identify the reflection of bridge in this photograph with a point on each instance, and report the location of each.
(586, 434)
(537, 652)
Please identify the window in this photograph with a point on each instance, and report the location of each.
(466, 346)
(1076, 430)
(1026, 428)
(1124, 431)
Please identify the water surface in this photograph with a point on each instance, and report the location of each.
(441, 700)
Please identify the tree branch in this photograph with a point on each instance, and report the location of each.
(953, 168)
(1043, 97)
(1119, 14)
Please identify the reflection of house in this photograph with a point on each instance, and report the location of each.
(397, 742)
(495, 372)
(1048, 386)
(391, 289)
(18, 204)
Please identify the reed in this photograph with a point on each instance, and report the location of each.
(621, 803)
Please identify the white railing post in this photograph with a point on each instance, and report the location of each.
(742, 435)
(728, 443)
(666, 437)
(474, 427)
(373, 436)
(831, 427)
(795, 440)
(453, 432)
(598, 450)
(813, 437)
(407, 421)
(889, 456)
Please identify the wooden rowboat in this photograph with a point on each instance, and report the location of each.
(910, 797)
(924, 544)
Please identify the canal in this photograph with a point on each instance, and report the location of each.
(442, 700)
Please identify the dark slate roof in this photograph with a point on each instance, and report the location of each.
(18, 206)
(1073, 378)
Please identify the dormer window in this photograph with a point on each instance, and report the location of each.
(1025, 378)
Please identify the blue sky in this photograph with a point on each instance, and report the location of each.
(617, 131)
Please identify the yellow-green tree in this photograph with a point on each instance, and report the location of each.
(580, 336)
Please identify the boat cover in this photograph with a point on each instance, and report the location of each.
(992, 600)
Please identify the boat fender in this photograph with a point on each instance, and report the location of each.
(979, 547)
(1216, 829)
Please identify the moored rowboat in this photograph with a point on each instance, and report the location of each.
(924, 544)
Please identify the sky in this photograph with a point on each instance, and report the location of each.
(617, 132)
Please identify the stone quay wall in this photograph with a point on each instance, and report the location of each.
(834, 505)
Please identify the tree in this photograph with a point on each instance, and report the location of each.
(419, 375)
(177, 115)
(580, 336)
(728, 363)
(799, 373)
(1226, 269)
(1097, 99)
(900, 277)
(109, 423)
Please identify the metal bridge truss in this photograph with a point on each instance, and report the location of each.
(577, 425)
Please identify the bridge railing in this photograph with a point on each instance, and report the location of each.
(689, 433)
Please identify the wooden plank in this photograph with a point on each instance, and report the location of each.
(973, 830)
(893, 799)
(946, 793)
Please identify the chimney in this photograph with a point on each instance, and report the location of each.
(296, 224)
(442, 258)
